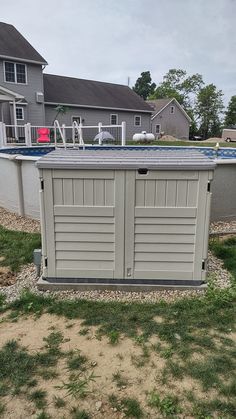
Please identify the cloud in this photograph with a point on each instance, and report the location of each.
(109, 40)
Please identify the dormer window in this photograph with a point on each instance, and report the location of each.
(15, 72)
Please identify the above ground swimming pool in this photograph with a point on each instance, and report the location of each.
(19, 183)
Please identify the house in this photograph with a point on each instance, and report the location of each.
(27, 94)
(170, 118)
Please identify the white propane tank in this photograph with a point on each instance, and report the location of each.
(144, 136)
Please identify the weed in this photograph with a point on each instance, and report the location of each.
(153, 399)
(113, 337)
(229, 390)
(79, 414)
(114, 401)
(167, 353)
(131, 408)
(70, 325)
(168, 405)
(78, 385)
(77, 362)
(43, 415)
(141, 360)
(39, 398)
(120, 380)
(16, 366)
(120, 356)
(49, 374)
(2, 409)
(4, 389)
(59, 402)
(84, 331)
(53, 341)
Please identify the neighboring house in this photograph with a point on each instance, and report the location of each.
(28, 95)
(169, 118)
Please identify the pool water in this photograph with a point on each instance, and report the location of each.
(222, 153)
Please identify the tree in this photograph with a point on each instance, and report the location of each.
(230, 114)
(144, 86)
(176, 84)
(60, 110)
(209, 106)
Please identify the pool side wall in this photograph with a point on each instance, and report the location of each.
(223, 187)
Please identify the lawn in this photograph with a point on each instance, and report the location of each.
(82, 359)
(183, 143)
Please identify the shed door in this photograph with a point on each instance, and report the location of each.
(161, 223)
(85, 219)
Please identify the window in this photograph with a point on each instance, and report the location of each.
(77, 119)
(19, 114)
(137, 121)
(158, 128)
(114, 119)
(172, 109)
(15, 73)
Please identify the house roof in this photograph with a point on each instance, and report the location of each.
(158, 105)
(14, 46)
(89, 93)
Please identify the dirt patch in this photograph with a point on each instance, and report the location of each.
(7, 277)
(138, 364)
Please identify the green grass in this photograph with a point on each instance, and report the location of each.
(167, 405)
(59, 402)
(76, 413)
(181, 143)
(131, 408)
(39, 398)
(16, 247)
(77, 361)
(226, 251)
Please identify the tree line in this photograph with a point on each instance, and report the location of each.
(203, 103)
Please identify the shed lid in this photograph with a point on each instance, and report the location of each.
(126, 159)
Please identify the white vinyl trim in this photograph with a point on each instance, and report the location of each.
(22, 60)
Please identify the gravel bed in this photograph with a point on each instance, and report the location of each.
(26, 279)
(15, 222)
(223, 226)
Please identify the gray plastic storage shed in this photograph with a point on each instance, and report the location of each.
(125, 217)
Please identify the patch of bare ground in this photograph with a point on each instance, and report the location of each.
(103, 360)
(7, 277)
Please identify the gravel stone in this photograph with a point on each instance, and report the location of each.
(15, 222)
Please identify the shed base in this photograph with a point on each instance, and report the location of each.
(65, 284)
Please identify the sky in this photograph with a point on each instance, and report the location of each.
(111, 40)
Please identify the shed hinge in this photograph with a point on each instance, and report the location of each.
(203, 265)
(46, 262)
(42, 184)
(209, 187)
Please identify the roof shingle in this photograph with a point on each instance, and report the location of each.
(14, 45)
(80, 92)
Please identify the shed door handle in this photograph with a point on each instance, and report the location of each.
(142, 171)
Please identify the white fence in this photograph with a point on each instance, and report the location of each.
(61, 135)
